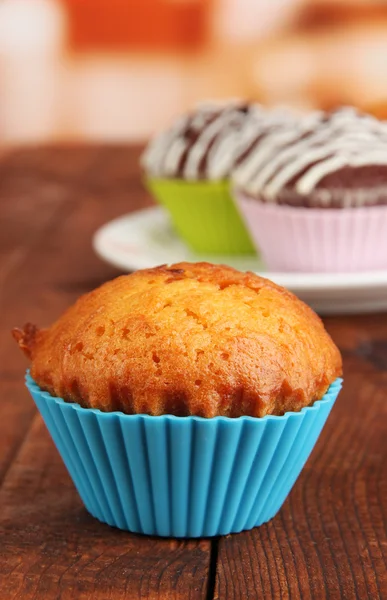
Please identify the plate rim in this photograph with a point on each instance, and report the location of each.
(296, 281)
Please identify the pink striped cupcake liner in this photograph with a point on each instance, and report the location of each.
(317, 240)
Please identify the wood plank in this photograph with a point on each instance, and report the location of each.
(16, 412)
(329, 539)
(51, 548)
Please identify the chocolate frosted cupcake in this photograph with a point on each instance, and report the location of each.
(188, 167)
(314, 193)
(184, 400)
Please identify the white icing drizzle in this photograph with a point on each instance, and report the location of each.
(309, 150)
(202, 145)
(265, 153)
(222, 154)
(222, 135)
(162, 153)
(169, 162)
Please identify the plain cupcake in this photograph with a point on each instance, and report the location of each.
(314, 193)
(184, 400)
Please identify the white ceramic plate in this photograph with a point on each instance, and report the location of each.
(145, 239)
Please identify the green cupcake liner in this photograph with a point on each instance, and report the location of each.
(204, 215)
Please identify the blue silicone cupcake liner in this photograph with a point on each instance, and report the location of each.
(182, 476)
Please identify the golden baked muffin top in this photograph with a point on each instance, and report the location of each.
(188, 339)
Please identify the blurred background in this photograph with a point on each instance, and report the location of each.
(121, 69)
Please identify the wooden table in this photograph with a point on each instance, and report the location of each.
(328, 541)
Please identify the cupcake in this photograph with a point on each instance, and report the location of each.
(184, 400)
(187, 169)
(314, 193)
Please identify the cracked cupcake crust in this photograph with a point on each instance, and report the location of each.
(189, 339)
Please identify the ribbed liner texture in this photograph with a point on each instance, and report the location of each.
(204, 215)
(317, 240)
(182, 476)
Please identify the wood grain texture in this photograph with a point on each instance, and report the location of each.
(328, 542)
